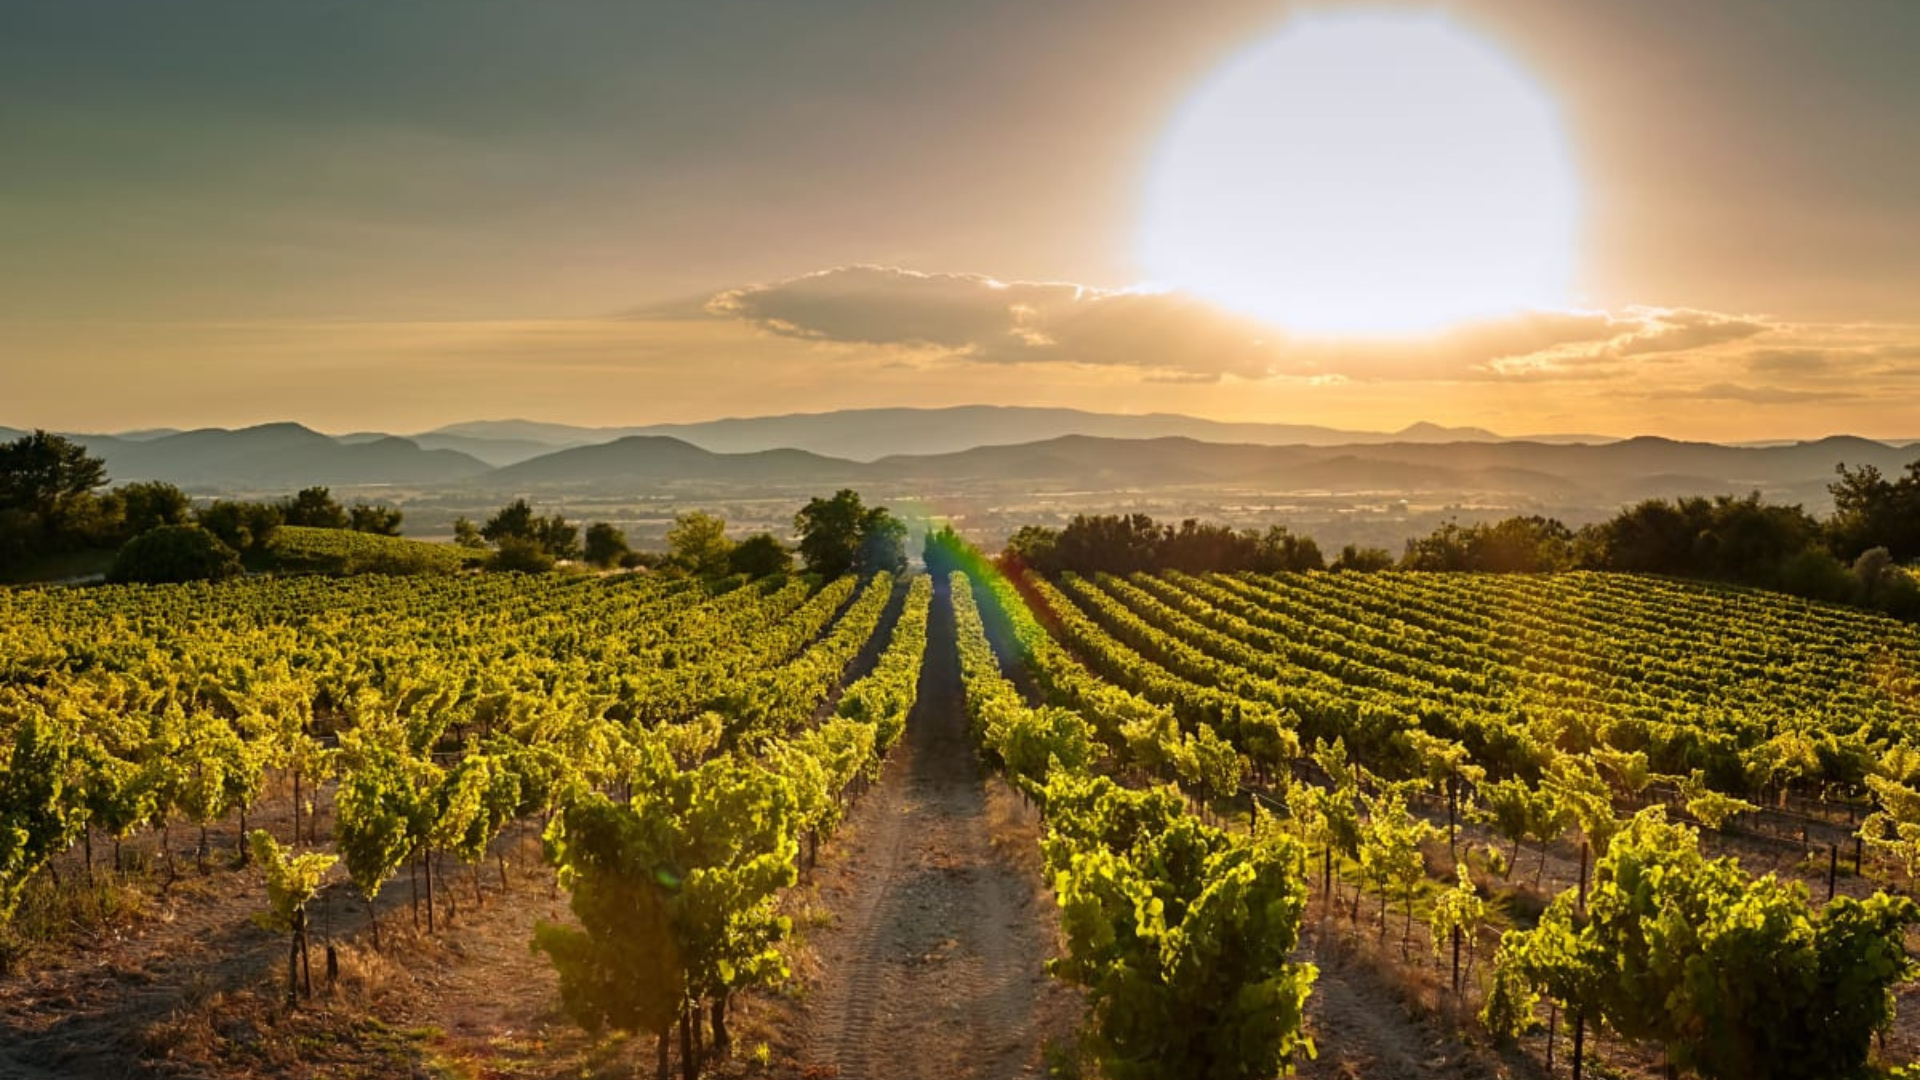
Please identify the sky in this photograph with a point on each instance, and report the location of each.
(399, 214)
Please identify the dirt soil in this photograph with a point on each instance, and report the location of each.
(932, 966)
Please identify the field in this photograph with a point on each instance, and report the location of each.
(1285, 786)
(298, 549)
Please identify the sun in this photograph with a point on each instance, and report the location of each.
(1365, 173)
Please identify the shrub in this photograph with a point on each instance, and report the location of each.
(522, 555)
(173, 553)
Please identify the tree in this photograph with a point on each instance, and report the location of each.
(40, 470)
(466, 534)
(380, 520)
(1871, 511)
(314, 507)
(760, 555)
(697, 543)
(883, 543)
(1282, 550)
(1443, 549)
(1107, 543)
(559, 538)
(245, 527)
(1362, 560)
(551, 535)
(1514, 545)
(606, 545)
(1724, 538)
(149, 505)
(841, 534)
(41, 473)
(1032, 547)
(514, 519)
(174, 553)
(520, 554)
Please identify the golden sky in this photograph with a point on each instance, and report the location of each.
(393, 216)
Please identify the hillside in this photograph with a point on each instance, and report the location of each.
(872, 434)
(277, 457)
(656, 459)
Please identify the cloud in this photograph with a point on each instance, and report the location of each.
(1169, 339)
(1759, 395)
(1169, 334)
(1801, 361)
(1671, 330)
(996, 322)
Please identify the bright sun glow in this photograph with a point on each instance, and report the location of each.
(1365, 173)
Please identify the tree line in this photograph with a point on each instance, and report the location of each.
(837, 535)
(1853, 556)
(51, 502)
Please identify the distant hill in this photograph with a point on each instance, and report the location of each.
(657, 459)
(1604, 474)
(1562, 474)
(872, 434)
(1444, 465)
(277, 457)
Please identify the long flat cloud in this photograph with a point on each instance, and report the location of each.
(1173, 336)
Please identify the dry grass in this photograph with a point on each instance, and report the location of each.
(1013, 828)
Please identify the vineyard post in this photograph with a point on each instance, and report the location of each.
(1553, 1027)
(293, 970)
(1579, 1042)
(300, 936)
(1833, 869)
(1580, 1018)
(326, 930)
(1453, 801)
(689, 1065)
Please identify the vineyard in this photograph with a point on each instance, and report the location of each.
(1393, 719)
(1250, 797)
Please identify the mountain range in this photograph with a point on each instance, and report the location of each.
(871, 434)
(520, 456)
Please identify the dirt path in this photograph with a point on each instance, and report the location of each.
(1364, 1028)
(933, 966)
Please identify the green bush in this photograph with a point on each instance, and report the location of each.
(522, 555)
(173, 553)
